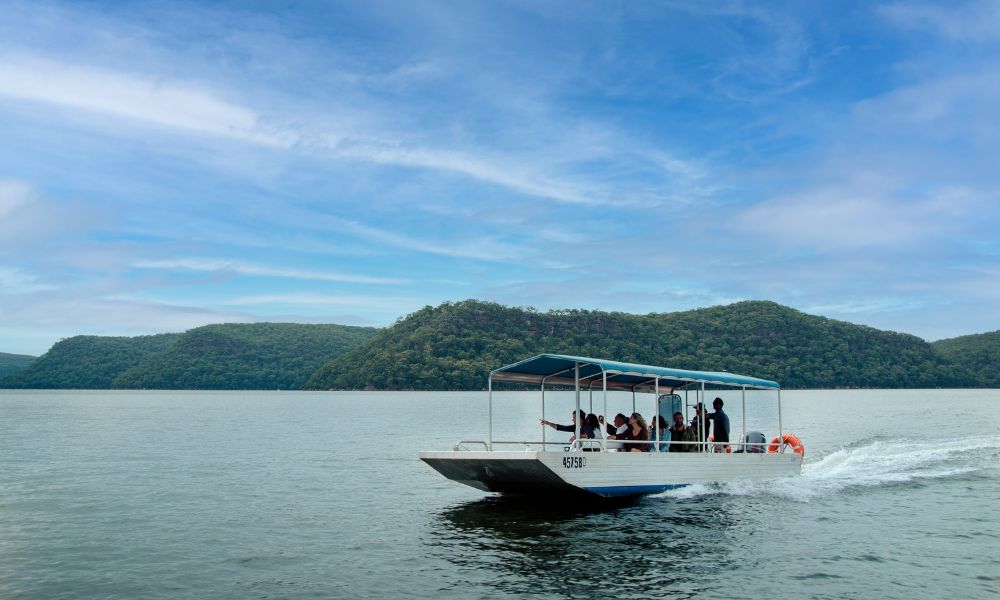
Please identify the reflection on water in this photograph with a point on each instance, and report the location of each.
(623, 548)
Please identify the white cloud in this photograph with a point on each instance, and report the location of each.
(966, 103)
(243, 268)
(482, 248)
(135, 97)
(108, 316)
(13, 195)
(977, 21)
(321, 300)
(16, 281)
(507, 176)
(28, 218)
(369, 133)
(867, 211)
(863, 306)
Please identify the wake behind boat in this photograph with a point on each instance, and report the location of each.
(599, 466)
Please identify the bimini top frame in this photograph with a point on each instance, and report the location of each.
(559, 369)
(579, 371)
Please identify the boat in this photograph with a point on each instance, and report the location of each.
(595, 467)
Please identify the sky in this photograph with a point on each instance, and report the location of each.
(166, 165)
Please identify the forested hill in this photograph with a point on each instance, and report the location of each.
(455, 345)
(244, 356)
(87, 361)
(979, 352)
(12, 363)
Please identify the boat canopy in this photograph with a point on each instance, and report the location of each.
(558, 369)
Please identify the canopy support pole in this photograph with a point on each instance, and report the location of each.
(781, 440)
(656, 414)
(744, 411)
(702, 422)
(686, 405)
(604, 434)
(576, 415)
(543, 414)
(489, 384)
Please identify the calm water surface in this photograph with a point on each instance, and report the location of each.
(298, 495)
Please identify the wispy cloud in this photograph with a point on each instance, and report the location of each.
(131, 96)
(321, 300)
(28, 218)
(864, 213)
(242, 268)
(953, 104)
(16, 281)
(481, 247)
(199, 109)
(975, 21)
(537, 184)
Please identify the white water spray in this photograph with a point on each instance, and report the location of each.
(867, 464)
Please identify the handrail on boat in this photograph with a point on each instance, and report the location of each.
(460, 445)
(600, 444)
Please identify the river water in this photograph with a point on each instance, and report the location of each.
(320, 495)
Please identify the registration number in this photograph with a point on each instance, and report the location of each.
(574, 462)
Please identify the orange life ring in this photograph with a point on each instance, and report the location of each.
(788, 439)
(729, 449)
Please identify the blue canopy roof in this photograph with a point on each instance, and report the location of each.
(557, 369)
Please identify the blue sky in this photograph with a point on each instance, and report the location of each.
(168, 165)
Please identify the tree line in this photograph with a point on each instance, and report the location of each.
(453, 346)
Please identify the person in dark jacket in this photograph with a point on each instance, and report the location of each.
(721, 427)
(680, 432)
(696, 424)
(586, 431)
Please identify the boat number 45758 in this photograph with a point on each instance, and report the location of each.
(574, 462)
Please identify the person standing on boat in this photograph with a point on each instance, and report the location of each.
(700, 425)
(680, 432)
(721, 427)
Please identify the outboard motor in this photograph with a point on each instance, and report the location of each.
(756, 442)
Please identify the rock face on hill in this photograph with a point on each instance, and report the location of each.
(454, 346)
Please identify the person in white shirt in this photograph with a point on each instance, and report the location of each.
(621, 424)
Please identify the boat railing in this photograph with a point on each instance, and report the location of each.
(601, 445)
(461, 446)
(717, 447)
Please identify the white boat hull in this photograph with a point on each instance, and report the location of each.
(606, 474)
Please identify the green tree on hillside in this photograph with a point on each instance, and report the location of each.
(456, 344)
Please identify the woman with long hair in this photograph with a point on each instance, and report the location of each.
(661, 428)
(638, 431)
